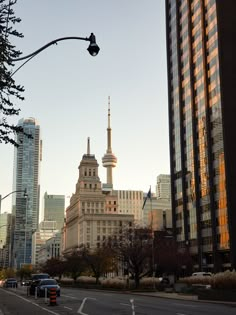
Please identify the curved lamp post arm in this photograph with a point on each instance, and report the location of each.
(15, 191)
(93, 47)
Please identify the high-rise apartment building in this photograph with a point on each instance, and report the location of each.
(5, 239)
(201, 77)
(163, 186)
(54, 209)
(26, 176)
(130, 202)
(45, 231)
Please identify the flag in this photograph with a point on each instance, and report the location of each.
(149, 195)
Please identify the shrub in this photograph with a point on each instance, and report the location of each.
(196, 280)
(221, 280)
(114, 283)
(86, 280)
(147, 283)
(224, 280)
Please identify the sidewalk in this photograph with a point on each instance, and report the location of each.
(179, 296)
(173, 295)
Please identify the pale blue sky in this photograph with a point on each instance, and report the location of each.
(67, 90)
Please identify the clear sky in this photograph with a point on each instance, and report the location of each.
(67, 91)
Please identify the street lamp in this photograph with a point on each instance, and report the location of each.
(93, 48)
(15, 191)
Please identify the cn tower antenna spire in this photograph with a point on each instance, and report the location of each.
(109, 160)
(109, 112)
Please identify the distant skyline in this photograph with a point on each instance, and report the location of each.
(66, 91)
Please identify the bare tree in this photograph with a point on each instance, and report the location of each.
(75, 264)
(169, 257)
(134, 247)
(100, 261)
(54, 267)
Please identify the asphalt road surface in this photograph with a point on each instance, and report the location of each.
(89, 302)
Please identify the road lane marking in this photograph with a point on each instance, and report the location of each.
(33, 303)
(68, 308)
(180, 314)
(132, 306)
(69, 296)
(181, 304)
(82, 305)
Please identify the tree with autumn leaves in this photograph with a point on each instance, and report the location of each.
(143, 253)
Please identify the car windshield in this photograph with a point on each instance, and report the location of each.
(48, 282)
(40, 276)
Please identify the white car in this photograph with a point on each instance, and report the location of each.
(202, 274)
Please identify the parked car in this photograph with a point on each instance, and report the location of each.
(35, 279)
(10, 283)
(202, 274)
(25, 282)
(46, 285)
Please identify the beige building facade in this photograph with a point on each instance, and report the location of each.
(46, 230)
(93, 215)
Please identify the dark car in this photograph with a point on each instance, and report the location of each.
(35, 281)
(10, 283)
(45, 285)
(25, 282)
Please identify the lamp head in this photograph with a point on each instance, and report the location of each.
(93, 48)
(25, 193)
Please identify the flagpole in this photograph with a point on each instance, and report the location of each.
(153, 261)
(149, 195)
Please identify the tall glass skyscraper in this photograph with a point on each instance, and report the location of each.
(26, 176)
(201, 78)
(54, 209)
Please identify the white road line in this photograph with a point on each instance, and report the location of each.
(180, 314)
(68, 308)
(82, 305)
(132, 306)
(33, 303)
(181, 304)
(125, 304)
(45, 309)
(69, 296)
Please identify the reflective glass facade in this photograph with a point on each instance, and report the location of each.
(200, 74)
(54, 209)
(26, 176)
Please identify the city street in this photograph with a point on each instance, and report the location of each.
(89, 302)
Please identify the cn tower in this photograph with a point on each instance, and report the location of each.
(109, 160)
